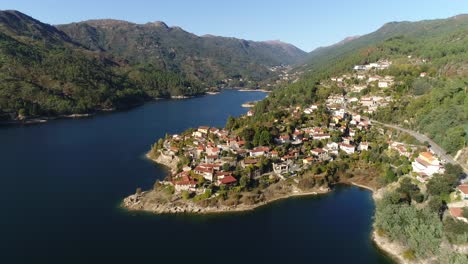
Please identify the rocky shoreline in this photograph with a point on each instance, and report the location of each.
(136, 202)
(140, 202)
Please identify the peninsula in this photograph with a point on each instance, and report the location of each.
(297, 150)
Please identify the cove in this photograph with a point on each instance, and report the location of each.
(61, 184)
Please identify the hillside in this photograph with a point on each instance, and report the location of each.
(207, 58)
(110, 64)
(436, 105)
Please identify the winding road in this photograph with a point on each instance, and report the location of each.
(423, 138)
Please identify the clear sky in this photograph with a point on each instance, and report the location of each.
(307, 24)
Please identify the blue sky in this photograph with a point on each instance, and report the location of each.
(306, 24)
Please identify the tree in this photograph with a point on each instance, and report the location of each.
(244, 181)
(442, 184)
(465, 212)
(185, 195)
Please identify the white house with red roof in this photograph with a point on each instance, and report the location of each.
(259, 151)
(457, 213)
(348, 148)
(283, 139)
(207, 173)
(463, 188)
(427, 164)
(321, 136)
(203, 129)
(183, 182)
(225, 177)
(319, 153)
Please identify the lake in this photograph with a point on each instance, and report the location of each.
(61, 184)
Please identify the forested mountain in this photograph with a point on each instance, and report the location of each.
(108, 64)
(436, 105)
(206, 58)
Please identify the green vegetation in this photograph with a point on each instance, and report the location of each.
(436, 105)
(45, 72)
(422, 229)
(209, 59)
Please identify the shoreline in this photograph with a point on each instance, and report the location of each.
(131, 202)
(46, 119)
(193, 209)
(393, 250)
(254, 90)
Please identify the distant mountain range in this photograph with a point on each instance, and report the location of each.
(204, 58)
(107, 64)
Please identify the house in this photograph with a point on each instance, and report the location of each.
(332, 148)
(183, 182)
(283, 139)
(336, 119)
(427, 164)
(367, 101)
(423, 74)
(212, 151)
(457, 213)
(173, 150)
(307, 160)
(211, 158)
(298, 135)
(225, 177)
(401, 149)
(373, 78)
(383, 84)
(464, 191)
(203, 129)
(228, 180)
(250, 113)
(348, 148)
(347, 140)
(197, 134)
(247, 162)
(320, 154)
(321, 136)
(259, 151)
(274, 154)
(363, 146)
(207, 173)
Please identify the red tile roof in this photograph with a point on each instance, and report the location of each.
(463, 188)
(228, 180)
(184, 180)
(456, 212)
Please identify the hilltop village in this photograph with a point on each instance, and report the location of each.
(306, 150)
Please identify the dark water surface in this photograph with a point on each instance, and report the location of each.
(61, 184)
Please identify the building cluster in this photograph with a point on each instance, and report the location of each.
(214, 154)
(379, 65)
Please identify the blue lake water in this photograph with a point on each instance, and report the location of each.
(61, 184)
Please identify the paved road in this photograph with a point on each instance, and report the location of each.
(422, 138)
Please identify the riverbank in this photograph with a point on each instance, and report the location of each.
(254, 90)
(41, 120)
(158, 202)
(392, 249)
(148, 202)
